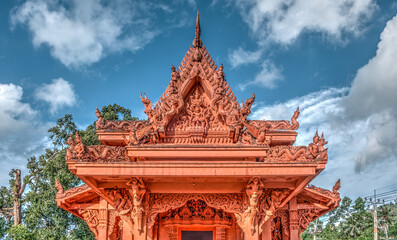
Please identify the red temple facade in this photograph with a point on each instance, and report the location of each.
(197, 168)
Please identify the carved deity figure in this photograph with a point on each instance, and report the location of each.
(70, 152)
(175, 77)
(137, 191)
(313, 147)
(254, 191)
(322, 150)
(59, 187)
(80, 147)
(100, 123)
(219, 99)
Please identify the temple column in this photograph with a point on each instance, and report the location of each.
(220, 233)
(173, 233)
(267, 230)
(127, 233)
(103, 220)
(293, 219)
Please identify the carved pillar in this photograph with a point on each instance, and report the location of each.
(220, 233)
(173, 233)
(103, 220)
(293, 220)
(103, 223)
(267, 230)
(127, 233)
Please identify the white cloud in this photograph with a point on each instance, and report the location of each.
(242, 57)
(360, 122)
(375, 85)
(85, 31)
(22, 134)
(58, 93)
(324, 111)
(373, 96)
(267, 77)
(283, 21)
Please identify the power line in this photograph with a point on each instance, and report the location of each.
(384, 193)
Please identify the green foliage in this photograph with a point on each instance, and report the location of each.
(42, 218)
(61, 132)
(114, 112)
(351, 220)
(20, 232)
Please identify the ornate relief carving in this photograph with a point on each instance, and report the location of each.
(122, 203)
(115, 225)
(284, 219)
(197, 212)
(334, 195)
(314, 152)
(112, 125)
(91, 218)
(254, 192)
(77, 151)
(277, 229)
(137, 192)
(305, 217)
(66, 193)
(160, 203)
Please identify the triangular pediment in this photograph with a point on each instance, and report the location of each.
(198, 101)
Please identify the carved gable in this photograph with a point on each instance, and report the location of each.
(199, 107)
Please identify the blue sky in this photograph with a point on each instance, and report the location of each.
(335, 59)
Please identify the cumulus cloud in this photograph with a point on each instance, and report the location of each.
(324, 111)
(22, 134)
(360, 122)
(375, 85)
(373, 97)
(268, 77)
(242, 57)
(283, 21)
(85, 31)
(58, 93)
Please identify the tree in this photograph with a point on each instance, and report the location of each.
(385, 218)
(36, 213)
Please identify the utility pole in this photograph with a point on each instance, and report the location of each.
(315, 229)
(375, 218)
(375, 203)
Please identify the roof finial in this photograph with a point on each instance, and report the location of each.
(197, 40)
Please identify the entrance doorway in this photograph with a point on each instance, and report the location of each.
(197, 235)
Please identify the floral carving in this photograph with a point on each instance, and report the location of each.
(160, 203)
(305, 217)
(77, 151)
(91, 218)
(197, 212)
(66, 193)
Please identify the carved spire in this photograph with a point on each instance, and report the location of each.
(197, 43)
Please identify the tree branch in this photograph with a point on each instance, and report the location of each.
(6, 213)
(30, 175)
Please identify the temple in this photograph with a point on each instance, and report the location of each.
(198, 167)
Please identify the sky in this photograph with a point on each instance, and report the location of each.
(336, 60)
